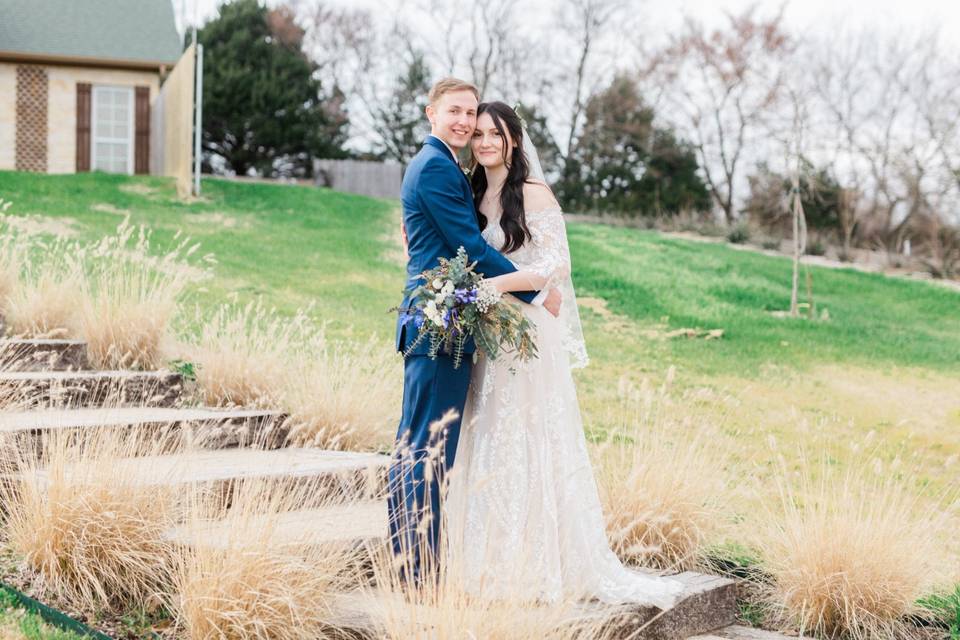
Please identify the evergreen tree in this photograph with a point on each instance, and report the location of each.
(622, 163)
(263, 109)
(820, 194)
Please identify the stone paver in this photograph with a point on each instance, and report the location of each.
(709, 603)
(42, 355)
(121, 416)
(353, 523)
(230, 465)
(737, 632)
(92, 388)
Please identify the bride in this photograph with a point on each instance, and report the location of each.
(522, 510)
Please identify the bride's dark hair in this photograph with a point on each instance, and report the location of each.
(513, 221)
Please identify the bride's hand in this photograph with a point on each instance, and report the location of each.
(553, 302)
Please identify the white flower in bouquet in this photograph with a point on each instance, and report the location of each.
(487, 296)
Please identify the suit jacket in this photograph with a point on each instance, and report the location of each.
(439, 217)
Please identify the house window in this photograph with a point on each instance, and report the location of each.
(112, 148)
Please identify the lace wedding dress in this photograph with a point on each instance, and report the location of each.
(523, 515)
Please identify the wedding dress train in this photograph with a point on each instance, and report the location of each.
(523, 513)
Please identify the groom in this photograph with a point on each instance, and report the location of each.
(438, 217)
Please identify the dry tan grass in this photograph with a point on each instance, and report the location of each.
(11, 257)
(252, 584)
(339, 394)
(243, 351)
(445, 605)
(43, 300)
(131, 297)
(851, 551)
(344, 395)
(661, 481)
(94, 536)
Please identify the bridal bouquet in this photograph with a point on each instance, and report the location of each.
(456, 303)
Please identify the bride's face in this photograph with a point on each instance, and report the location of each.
(489, 147)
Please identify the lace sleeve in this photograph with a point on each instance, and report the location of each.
(549, 256)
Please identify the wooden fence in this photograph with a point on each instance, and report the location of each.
(171, 128)
(363, 177)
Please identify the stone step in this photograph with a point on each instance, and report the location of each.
(90, 388)
(223, 467)
(201, 427)
(27, 354)
(738, 632)
(363, 522)
(709, 603)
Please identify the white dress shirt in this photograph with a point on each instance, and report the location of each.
(449, 148)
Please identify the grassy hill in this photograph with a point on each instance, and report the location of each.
(887, 360)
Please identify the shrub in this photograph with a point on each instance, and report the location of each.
(344, 395)
(739, 234)
(243, 352)
(659, 483)
(92, 533)
(131, 297)
(816, 248)
(850, 553)
(252, 583)
(43, 293)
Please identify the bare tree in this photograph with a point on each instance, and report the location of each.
(720, 88)
(485, 40)
(890, 130)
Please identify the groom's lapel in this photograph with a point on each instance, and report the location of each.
(435, 142)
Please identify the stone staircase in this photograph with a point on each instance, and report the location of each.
(64, 393)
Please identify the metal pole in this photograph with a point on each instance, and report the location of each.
(197, 113)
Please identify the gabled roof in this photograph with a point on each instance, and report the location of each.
(140, 33)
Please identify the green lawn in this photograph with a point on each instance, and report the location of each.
(887, 360)
(18, 624)
(295, 246)
(292, 246)
(873, 320)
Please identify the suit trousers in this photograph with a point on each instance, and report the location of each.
(422, 457)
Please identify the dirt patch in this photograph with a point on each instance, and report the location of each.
(105, 207)
(140, 189)
(219, 220)
(35, 225)
(611, 321)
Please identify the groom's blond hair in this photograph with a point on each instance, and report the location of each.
(449, 85)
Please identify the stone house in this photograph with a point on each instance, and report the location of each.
(78, 80)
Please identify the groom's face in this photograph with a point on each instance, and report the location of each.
(453, 117)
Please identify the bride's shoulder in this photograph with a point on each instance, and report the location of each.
(538, 197)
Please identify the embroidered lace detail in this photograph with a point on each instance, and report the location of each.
(524, 518)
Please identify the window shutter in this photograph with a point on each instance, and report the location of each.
(83, 126)
(141, 147)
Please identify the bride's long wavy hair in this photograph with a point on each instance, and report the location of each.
(513, 221)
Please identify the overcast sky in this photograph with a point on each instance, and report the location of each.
(800, 14)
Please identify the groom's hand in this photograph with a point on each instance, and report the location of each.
(553, 302)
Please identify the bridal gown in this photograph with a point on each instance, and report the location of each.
(523, 514)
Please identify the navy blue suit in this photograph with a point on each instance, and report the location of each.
(439, 217)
